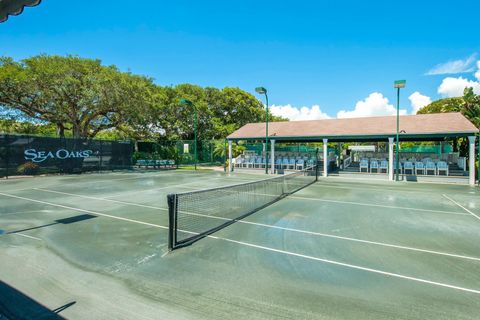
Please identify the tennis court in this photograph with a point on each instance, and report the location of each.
(95, 246)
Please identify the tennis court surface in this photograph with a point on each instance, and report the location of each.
(95, 246)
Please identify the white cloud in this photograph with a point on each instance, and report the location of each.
(373, 105)
(454, 66)
(418, 101)
(453, 87)
(295, 114)
(477, 74)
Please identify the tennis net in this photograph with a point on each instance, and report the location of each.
(194, 215)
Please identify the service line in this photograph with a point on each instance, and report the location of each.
(319, 234)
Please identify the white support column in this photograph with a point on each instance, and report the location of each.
(471, 160)
(339, 160)
(230, 167)
(325, 157)
(390, 158)
(272, 157)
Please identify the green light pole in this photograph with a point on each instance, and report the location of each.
(398, 84)
(262, 90)
(186, 102)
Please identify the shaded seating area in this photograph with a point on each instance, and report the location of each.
(375, 137)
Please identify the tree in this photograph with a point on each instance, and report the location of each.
(219, 112)
(72, 93)
(468, 105)
(471, 106)
(443, 105)
(83, 98)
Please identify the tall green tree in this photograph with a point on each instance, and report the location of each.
(468, 105)
(72, 93)
(82, 98)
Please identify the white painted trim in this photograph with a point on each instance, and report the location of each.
(272, 156)
(471, 160)
(390, 158)
(325, 157)
(230, 167)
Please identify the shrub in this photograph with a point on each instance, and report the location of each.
(28, 168)
(137, 155)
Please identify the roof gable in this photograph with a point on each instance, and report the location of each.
(422, 124)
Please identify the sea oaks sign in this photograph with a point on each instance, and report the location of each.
(40, 156)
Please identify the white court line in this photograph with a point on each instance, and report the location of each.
(26, 236)
(14, 190)
(364, 204)
(102, 199)
(83, 210)
(279, 228)
(293, 197)
(362, 241)
(377, 205)
(19, 212)
(458, 204)
(402, 181)
(323, 184)
(137, 176)
(351, 266)
(166, 187)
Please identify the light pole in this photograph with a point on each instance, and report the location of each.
(186, 102)
(398, 84)
(262, 90)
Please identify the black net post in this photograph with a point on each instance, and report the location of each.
(316, 165)
(172, 217)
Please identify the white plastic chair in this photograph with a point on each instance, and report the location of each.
(429, 167)
(400, 167)
(300, 164)
(250, 162)
(239, 162)
(442, 166)
(363, 165)
(383, 166)
(291, 163)
(278, 163)
(419, 167)
(408, 165)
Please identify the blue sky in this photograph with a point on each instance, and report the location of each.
(333, 55)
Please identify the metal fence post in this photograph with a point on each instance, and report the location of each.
(7, 155)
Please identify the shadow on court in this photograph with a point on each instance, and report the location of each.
(17, 305)
(70, 220)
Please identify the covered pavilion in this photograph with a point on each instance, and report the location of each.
(423, 127)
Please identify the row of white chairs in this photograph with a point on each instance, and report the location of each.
(425, 168)
(374, 165)
(280, 163)
(406, 167)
